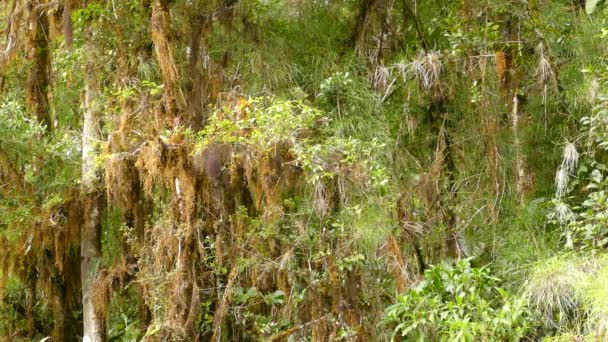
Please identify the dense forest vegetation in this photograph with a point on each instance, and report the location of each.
(303, 170)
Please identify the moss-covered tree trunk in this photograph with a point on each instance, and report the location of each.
(511, 79)
(91, 231)
(161, 36)
(38, 53)
(13, 24)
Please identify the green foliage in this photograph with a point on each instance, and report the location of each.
(275, 298)
(90, 12)
(551, 291)
(590, 230)
(264, 123)
(261, 122)
(458, 302)
(114, 235)
(13, 314)
(263, 324)
(355, 96)
(123, 324)
(581, 203)
(354, 107)
(521, 238)
(47, 163)
(594, 299)
(568, 294)
(126, 331)
(242, 297)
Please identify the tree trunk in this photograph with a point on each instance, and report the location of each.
(90, 237)
(444, 153)
(38, 54)
(12, 33)
(67, 23)
(161, 29)
(194, 85)
(444, 170)
(32, 281)
(363, 17)
(510, 84)
(520, 171)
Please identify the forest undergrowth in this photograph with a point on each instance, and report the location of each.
(287, 170)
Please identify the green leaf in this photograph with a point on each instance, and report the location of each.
(596, 176)
(277, 297)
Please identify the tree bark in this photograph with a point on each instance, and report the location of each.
(361, 24)
(90, 237)
(67, 23)
(444, 171)
(38, 54)
(161, 29)
(12, 35)
(520, 171)
(510, 86)
(194, 85)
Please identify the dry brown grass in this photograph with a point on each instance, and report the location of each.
(500, 58)
(122, 181)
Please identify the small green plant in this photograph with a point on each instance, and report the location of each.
(125, 331)
(551, 291)
(567, 296)
(275, 298)
(594, 299)
(458, 302)
(242, 297)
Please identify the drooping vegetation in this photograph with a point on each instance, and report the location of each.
(357, 170)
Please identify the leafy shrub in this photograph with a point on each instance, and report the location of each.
(580, 203)
(457, 302)
(13, 314)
